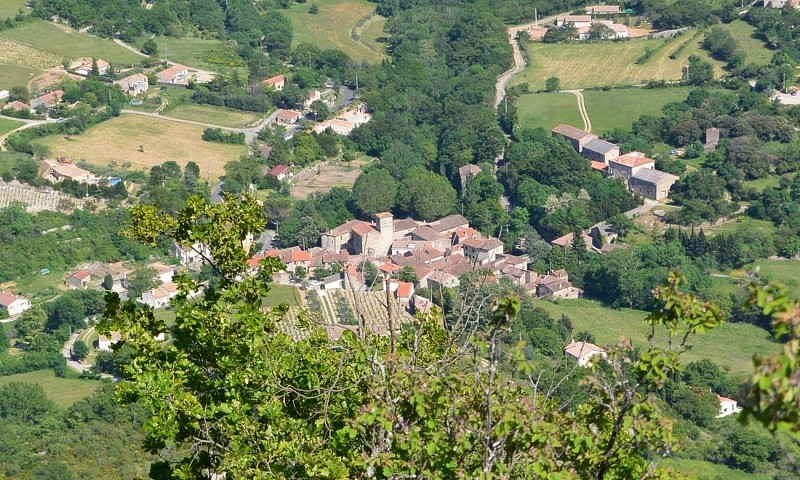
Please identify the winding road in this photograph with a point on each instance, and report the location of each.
(249, 132)
(28, 123)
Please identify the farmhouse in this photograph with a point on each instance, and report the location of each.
(312, 97)
(276, 83)
(62, 169)
(554, 284)
(600, 151)
(281, 172)
(653, 184)
(164, 273)
(104, 343)
(577, 20)
(578, 138)
(18, 106)
(626, 166)
(78, 280)
(86, 67)
(288, 117)
(583, 352)
(465, 173)
(135, 84)
(339, 127)
(13, 304)
(194, 254)
(602, 10)
(160, 296)
(727, 406)
(175, 75)
(48, 99)
(481, 251)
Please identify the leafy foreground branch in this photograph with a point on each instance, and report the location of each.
(243, 399)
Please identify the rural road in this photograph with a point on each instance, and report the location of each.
(66, 352)
(198, 73)
(28, 124)
(249, 132)
(587, 122)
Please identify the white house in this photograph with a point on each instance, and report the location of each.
(583, 352)
(13, 304)
(196, 253)
(159, 296)
(175, 75)
(164, 273)
(86, 68)
(727, 406)
(104, 343)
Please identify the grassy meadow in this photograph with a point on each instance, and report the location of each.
(8, 125)
(11, 75)
(145, 142)
(620, 108)
(732, 344)
(63, 391)
(226, 117)
(547, 110)
(10, 8)
(583, 65)
(280, 294)
(754, 49)
(330, 27)
(784, 271)
(63, 42)
(372, 34)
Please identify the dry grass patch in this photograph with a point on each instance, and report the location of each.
(341, 175)
(226, 117)
(119, 140)
(15, 53)
(583, 65)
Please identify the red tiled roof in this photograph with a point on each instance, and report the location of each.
(275, 80)
(7, 298)
(278, 169)
(288, 114)
(403, 290)
(362, 229)
(172, 72)
(81, 275)
(300, 256)
(633, 159)
(599, 165)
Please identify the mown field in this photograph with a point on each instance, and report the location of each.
(786, 272)
(372, 34)
(547, 110)
(8, 125)
(754, 49)
(9, 8)
(707, 470)
(63, 391)
(63, 42)
(11, 75)
(583, 65)
(330, 27)
(120, 139)
(732, 344)
(620, 108)
(280, 294)
(225, 117)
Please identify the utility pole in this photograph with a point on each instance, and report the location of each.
(535, 17)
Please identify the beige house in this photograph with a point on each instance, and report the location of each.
(577, 137)
(135, 84)
(577, 20)
(583, 352)
(600, 151)
(481, 251)
(59, 170)
(288, 117)
(603, 10)
(79, 280)
(48, 100)
(626, 166)
(652, 184)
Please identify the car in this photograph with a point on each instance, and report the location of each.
(794, 93)
(61, 120)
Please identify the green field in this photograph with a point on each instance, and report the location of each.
(63, 391)
(583, 65)
(196, 52)
(547, 110)
(372, 34)
(67, 43)
(731, 345)
(8, 125)
(754, 49)
(225, 117)
(330, 27)
(9, 8)
(11, 75)
(711, 471)
(786, 272)
(279, 294)
(620, 108)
